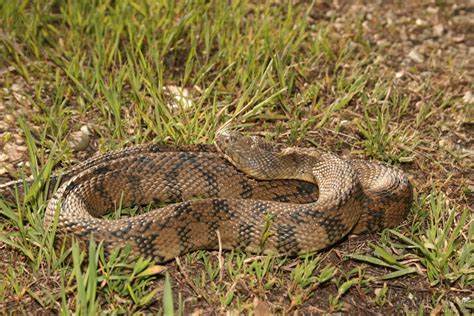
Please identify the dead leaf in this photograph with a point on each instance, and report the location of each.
(421, 22)
(438, 30)
(3, 170)
(468, 97)
(197, 312)
(156, 269)
(416, 56)
(181, 98)
(80, 140)
(14, 152)
(261, 308)
(399, 74)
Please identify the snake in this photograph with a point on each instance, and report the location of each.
(243, 192)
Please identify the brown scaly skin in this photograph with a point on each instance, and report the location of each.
(293, 216)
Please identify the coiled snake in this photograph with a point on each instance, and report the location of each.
(304, 199)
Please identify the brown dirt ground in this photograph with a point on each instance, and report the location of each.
(427, 48)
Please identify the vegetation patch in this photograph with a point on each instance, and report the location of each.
(387, 81)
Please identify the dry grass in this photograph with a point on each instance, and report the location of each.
(392, 82)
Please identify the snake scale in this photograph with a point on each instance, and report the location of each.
(259, 197)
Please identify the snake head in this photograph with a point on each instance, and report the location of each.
(250, 154)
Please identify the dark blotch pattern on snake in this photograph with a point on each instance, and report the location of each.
(259, 196)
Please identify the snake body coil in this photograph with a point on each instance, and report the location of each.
(258, 196)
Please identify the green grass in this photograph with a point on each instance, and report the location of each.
(271, 69)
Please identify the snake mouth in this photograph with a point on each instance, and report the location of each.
(222, 141)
